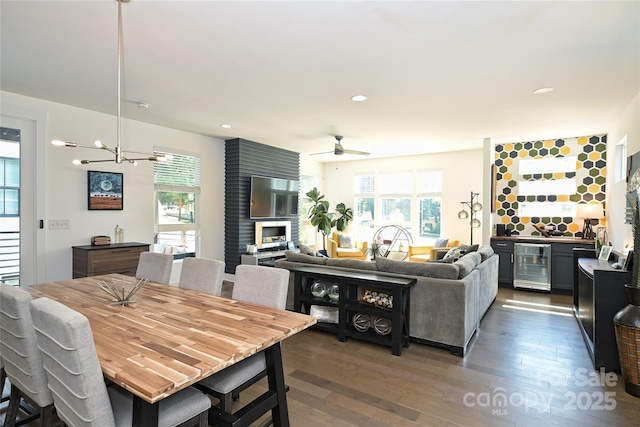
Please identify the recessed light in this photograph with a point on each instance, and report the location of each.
(143, 105)
(226, 126)
(542, 90)
(359, 98)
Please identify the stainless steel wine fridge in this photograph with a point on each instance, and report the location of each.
(532, 266)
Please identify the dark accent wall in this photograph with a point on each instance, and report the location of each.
(243, 159)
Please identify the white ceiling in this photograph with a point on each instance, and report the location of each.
(440, 76)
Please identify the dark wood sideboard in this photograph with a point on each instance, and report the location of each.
(121, 258)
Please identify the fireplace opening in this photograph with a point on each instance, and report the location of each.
(272, 234)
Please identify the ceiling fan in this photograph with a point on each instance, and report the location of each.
(339, 150)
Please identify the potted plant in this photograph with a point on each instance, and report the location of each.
(323, 219)
(627, 320)
(375, 249)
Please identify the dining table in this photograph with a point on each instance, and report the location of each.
(169, 338)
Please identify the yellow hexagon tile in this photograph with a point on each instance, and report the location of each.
(594, 156)
(549, 143)
(573, 227)
(565, 151)
(583, 140)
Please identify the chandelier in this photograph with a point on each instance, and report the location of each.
(117, 151)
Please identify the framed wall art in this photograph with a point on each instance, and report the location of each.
(105, 190)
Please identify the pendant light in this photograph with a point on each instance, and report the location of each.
(117, 151)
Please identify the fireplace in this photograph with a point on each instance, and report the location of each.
(272, 234)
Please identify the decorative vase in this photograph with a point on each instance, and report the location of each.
(319, 290)
(334, 292)
(627, 327)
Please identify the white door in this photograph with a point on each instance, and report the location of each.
(21, 238)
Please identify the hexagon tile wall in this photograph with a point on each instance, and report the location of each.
(591, 164)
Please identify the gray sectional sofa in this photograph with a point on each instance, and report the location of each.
(447, 302)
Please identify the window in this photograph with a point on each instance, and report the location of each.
(395, 191)
(307, 234)
(429, 189)
(364, 213)
(177, 189)
(9, 187)
(390, 199)
(621, 160)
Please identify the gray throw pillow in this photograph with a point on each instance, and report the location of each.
(306, 250)
(441, 243)
(465, 249)
(346, 241)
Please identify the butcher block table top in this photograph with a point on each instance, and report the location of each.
(170, 337)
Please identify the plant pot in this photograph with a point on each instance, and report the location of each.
(627, 327)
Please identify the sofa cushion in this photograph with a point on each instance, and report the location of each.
(465, 249)
(467, 263)
(485, 252)
(441, 243)
(352, 263)
(308, 251)
(345, 241)
(299, 257)
(426, 269)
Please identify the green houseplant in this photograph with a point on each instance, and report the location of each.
(375, 249)
(324, 219)
(627, 320)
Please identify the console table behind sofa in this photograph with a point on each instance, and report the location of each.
(444, 310)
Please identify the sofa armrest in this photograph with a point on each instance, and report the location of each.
(419, 250)
(439, 253)
(332, 248)
(363, 246)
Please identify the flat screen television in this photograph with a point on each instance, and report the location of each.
(273, 198)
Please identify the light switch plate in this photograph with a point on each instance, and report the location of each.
(58, 224)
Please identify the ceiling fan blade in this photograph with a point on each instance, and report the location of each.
(360, 153)
(319, 154)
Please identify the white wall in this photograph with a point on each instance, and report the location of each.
(628, 124)
(462, 173)
(65, 190)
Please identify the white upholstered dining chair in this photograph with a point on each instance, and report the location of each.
(203, 275)
(21, 358)
(75, 378)
(260, 285)
(155, 267)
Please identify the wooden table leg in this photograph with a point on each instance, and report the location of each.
(145, 414)
(275, 373)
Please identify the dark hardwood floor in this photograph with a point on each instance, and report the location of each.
(526, 366)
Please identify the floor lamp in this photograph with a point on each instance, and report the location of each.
(474, 207)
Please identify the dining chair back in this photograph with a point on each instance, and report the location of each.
(21, 357)
(76, 381)
(155, 267)
(259, 285)
(203, 275)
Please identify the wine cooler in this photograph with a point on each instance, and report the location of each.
(532, 266)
